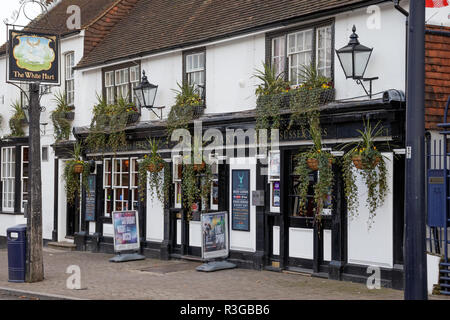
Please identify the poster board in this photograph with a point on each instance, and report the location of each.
(214, 235)
(126, 230)
(240, 209)
(33, 57)
(90, 203)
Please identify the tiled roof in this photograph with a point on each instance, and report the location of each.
(157, 25)
(56, 19)
(437, 75)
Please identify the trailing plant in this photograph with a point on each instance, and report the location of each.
(61, 124)
(314, 159)
(150, 169)
(17, 120)
(370, 163)
(108, 124)
(72, 178)
(306, 99)
(272, 94)
(196, 180)
(188, 104)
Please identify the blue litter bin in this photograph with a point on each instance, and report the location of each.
(17, 254)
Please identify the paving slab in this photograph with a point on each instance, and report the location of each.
(153, 279)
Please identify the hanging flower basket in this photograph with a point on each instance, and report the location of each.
(200, 167)
(152, 167)
(78, 168)
(313, 164)
(358, 162)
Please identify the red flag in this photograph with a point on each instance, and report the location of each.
(436, 3)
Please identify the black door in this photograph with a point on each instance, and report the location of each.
(304, 238)
(73, 223)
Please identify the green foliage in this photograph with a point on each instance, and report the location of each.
(324, 184)
(315, 91)
(271, 82)
(187, 95)
(184, 110)
(61, 125)
(108, 124)
(275, 94)
(155, 177)
(373, 172)
(272, 93)
(17, 120)
(73, 186)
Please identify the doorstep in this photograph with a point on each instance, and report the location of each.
(63, 245)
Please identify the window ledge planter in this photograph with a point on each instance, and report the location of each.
(133, 117)
(69, 116)
(283, 100)
(327, 95)
(198, 111)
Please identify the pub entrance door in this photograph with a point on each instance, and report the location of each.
(307, 244)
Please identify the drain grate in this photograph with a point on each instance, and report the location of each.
(170, 268)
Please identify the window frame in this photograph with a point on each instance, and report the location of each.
(132, 202)
(286, 32)
(131, 84)
(185, 76)
(69, 77)
(22, 178)
(11, 163)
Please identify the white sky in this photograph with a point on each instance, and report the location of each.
(7, 9)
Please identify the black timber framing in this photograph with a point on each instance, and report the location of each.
(340, 120)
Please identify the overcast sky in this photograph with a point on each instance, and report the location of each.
(7, 9)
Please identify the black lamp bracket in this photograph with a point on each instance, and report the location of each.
(360, 82)
(160, 109)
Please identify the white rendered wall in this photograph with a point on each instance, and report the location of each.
(8, 220)
(388, 57)
(301, 243)
(375, 246)
(276, 241)
(195, 233)
(243, 240)
(230, 66)
(62, 203)
(155, 218)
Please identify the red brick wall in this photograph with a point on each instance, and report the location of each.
(437, 76)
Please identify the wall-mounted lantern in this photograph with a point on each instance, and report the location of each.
(145, 94)
(354, 59)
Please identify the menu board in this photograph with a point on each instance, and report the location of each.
(126, 230)
(241, 200)
(90, 199)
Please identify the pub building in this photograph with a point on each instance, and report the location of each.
(219, 56)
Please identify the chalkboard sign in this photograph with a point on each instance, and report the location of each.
(241, 200)
(90, 199)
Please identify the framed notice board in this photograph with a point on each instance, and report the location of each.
(240, 207)
(90, 199)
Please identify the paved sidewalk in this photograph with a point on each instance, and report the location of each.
(175, 279)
